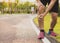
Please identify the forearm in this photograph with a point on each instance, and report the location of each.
(50, 6)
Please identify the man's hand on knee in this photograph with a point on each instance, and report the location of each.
(41, 16)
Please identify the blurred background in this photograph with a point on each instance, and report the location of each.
(18, 6)
(10, 7)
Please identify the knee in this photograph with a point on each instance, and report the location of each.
(54, 20)
(40, 19)
(54, 17)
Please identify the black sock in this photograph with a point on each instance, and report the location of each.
(42, 30)
(50, 29)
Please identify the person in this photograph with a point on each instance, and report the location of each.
(32, 10)
(42, 12)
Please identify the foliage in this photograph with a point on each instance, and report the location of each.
(59, 11)
(17, 7)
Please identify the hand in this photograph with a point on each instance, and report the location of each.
(41, 16)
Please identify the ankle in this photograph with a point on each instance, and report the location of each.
(42, 31)
(50, 30)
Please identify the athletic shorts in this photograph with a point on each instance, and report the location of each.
(54, 8)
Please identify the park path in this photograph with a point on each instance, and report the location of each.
(17, 29)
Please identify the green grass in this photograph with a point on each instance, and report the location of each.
(47, 21)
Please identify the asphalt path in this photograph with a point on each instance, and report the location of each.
(17, 29)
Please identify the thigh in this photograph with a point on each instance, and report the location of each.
(54, 15)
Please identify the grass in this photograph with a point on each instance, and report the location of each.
(47, 21)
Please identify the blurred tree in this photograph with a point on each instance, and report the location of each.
(16, 5)
(3, 5)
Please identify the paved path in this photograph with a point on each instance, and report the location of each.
(17, 29)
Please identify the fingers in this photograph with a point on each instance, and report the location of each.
(41, 16)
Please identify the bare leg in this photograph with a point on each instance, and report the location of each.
(54, 20)
(41, 20)
(53, 23)
(41, 23)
